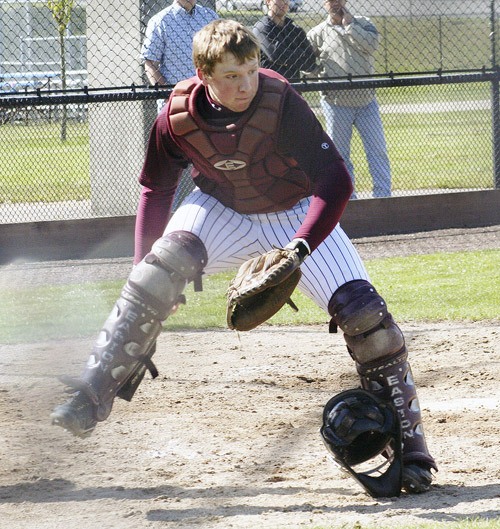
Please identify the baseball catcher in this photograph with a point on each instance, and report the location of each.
(270, 190)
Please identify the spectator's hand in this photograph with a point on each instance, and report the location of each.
(315, 71)
(346, 17)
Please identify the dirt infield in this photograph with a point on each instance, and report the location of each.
(227, 435)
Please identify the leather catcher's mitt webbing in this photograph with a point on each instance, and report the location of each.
(261, 287)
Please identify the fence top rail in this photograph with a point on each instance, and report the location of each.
(147, 92)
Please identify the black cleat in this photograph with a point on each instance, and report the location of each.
(416, 478)
(76, 416)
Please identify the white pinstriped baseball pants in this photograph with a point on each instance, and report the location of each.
(231, 238)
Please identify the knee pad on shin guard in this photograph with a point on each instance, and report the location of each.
(182, 252)
(362, 315)
(160, 278)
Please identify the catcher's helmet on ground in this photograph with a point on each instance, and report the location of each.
(357, 428)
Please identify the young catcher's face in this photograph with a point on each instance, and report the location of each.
(231, 84)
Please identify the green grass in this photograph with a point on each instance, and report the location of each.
(446, 93)
(454, 287)
(35, 166)
(446, 286)
(433, 151)
(427, 151)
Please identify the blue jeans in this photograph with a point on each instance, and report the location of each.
(339, 125)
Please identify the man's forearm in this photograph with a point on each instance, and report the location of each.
(153, 73)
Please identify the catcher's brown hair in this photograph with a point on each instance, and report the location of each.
(219, 37)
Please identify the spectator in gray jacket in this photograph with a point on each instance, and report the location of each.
(346, 44)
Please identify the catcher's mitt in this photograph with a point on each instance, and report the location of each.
(261, 287)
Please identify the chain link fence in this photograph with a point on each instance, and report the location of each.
(76, 106)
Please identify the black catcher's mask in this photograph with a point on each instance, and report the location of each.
(357, 428)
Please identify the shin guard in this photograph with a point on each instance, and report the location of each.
(121, 349)
(391, 379)
(377, 345)
(124, 347)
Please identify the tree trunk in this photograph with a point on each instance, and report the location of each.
(64, 119)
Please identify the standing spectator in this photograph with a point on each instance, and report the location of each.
(168, 44)
(168, 54)
(346, 44)
(284, 45)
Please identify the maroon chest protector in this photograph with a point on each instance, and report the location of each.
(239, 164)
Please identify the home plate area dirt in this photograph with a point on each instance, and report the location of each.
(227, 435)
